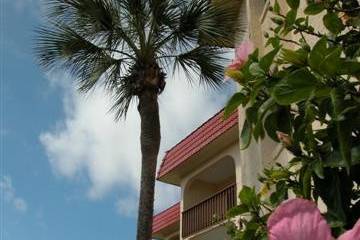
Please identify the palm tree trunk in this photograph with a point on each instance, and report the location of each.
(150, 143)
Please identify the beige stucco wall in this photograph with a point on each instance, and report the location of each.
(216, 233)
(174, 236)
(266, 22)
(256, 157)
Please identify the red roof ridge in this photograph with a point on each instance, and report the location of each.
(181, 141)
(166, 218)
(193, 131)
(196, 140)
(169, 208)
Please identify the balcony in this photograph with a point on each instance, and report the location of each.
(208, 212)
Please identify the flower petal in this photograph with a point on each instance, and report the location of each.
(353, 234)
(235, 65)
(244, 50)
(298, 219)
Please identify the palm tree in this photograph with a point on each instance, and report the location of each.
(128, 46)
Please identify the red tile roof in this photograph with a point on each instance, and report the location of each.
(197, 140)
(166, 218)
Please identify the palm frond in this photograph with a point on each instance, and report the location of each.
(123, 95)
(100, 20)
(187, 31)
(220, 23)
(64, 48)
(206, 22)
(136, 17)
(165, 13)
(207, 62)
(93, 15)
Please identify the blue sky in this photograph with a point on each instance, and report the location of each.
(67, 170)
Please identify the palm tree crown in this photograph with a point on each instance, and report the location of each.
(116, 43)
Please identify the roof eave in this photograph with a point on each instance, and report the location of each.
(175, 175)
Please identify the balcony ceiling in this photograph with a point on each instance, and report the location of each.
(219, 172)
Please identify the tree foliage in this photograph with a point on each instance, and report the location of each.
(114, 43)
(307, 97)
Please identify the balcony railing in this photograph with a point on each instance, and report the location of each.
(208, 212)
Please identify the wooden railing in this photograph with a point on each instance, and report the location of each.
(208, 212)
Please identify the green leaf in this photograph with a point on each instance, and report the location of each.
(265, 107)
(236, 75)
(319, 169)
(259, 127)
(294, 4)
(295, 87)
(318, 53)
(333, 23)
(354, 21)
(259, 130)
(235, 101)
(249, 234)
(276, 7)
(330, 64)
(343, 131)
(332, 190)
(246, 135)
(248, 196)
(278, 174)
(252, 113)
(277, 20)
(334, 160)
(279, 195)
(306, 182)
(274, 41)
(298, 57)
(290, 20)
(268, 59)
(349, 68)
(323, 92)
(314, 8)
(238, 210)
(279, 120)
(271, 126)
(256, 70)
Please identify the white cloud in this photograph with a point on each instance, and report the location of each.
(88, 143)
(126, 206)
(8, 191)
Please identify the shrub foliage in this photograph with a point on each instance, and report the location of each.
(307, 97)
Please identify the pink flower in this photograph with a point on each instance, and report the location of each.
(284, 138)
(242, 53)
(353, 234)
(300, 219)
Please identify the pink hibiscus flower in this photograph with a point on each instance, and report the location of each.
(300, 219)
(242, 53)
